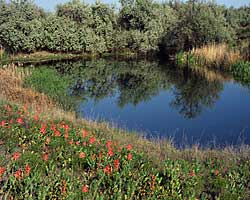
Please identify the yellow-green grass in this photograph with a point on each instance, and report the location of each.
(40, 56)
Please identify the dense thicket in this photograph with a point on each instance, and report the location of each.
(138, 25)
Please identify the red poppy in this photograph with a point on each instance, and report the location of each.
(129, 147)
(78, 143)
(107, 170)
(45, 157)
(18, 174)
(129, 156)
(85, 188)
(19, 121)
(82, 155)
(116, 164)
(27, 169)
(2, 170)
(84, 143)
(92, 140)
(16, 156)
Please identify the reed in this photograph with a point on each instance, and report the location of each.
(1, 53)
(219, 56)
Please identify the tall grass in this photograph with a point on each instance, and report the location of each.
(2, 52)
(216, 55)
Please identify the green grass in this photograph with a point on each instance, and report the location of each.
(241, 72)
(58, 159)
(51, 83)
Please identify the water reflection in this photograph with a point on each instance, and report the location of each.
(198, 104)
(136, 82)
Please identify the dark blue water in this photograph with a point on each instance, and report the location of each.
(187, 105)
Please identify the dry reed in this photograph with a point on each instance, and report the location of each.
(216, 55)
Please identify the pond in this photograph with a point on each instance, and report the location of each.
(189, 106)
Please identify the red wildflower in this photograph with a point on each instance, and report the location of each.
(19, 121)
(92, 140)
(45, 157)
(64, 187)
(116, 164)
(27, 169)
(36, 117)
(153, 182)
(57, 133)
(129, 147)
(107, 170)
(16, 156)
(82, 155)
(3, 123)
(9, 108)
(119, 149)
(66, 127)
(2, 170)
(84, 143)
(129, 156)
(108, 144)
(84, 133)
(18, 174)
(216, 172)
(43, 129)
(85, 188)
(53, 127)
(78, 143)
(66, 135)
(110, 153)
(71, 141)
(192, 174)
(47, 140)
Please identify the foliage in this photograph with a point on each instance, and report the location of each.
(199, 23)
(139, 26)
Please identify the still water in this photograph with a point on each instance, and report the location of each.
(162, 101)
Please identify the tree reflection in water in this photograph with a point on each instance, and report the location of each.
(138, 81)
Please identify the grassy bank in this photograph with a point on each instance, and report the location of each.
(42, 56)
(47, 153)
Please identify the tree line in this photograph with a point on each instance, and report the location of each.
(136, 26)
